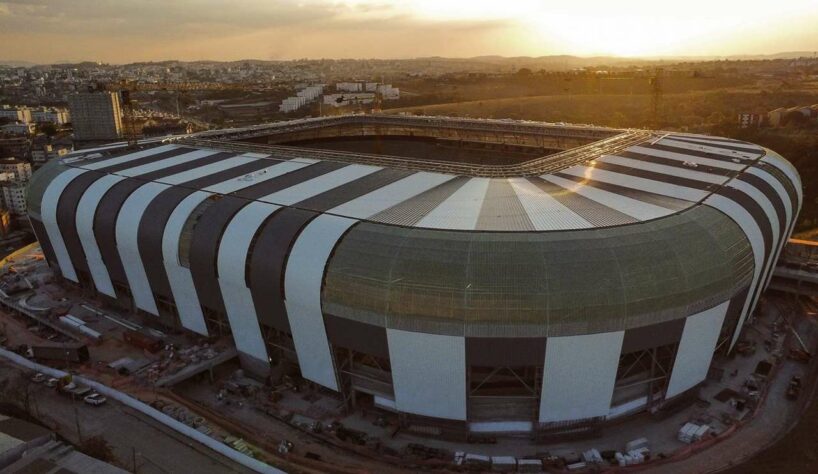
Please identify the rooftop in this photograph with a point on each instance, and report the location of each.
(602, 177)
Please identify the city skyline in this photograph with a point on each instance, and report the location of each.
(127, 31)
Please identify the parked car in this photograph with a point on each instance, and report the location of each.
(95, 399)
(51, 382)
(38, 378)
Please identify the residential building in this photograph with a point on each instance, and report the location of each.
(16, 146)
(748, 120)
(20, 170)
(96, 116)
(19, 128)
(52, 115)
(15, 114)
(40, 155)
(14, 197)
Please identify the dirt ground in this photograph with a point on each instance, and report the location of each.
(795, 453)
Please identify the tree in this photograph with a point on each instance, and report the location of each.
(48, 128)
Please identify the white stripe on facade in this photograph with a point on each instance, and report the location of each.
(460, 210)
(545, 212)
(302, 296)
(119, 160)
(772, 216)
(428, 373)
(51, 198)
(131, 214)
(390, 195)
(632, 207)
(179, 276)
(319, 184)
(86, 210)
(775, 160)
(48, 212)
(579, 376)
(748, 225)
(699, 338)
(232, 261)
(788, 210)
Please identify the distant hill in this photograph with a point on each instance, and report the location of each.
(10, 63)
(557, 61)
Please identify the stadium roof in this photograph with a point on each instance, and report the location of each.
(653, 178)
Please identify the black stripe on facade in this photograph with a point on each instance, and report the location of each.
(763, 222)
(656, 176)
(742, 160)
(69, 200)
(45, 244)
(111, 203)
(505, 351)
(67, 205)
(655, 335)
(360, 337)
(412, 210)
(660, 200)
(707, 137)
(353, 189)
(772, 196)
(204, 245)
(267, 260)
(132, 163)
(153, 222)
(755, 210)
(784, 180)
(595, 213)
(733, 315)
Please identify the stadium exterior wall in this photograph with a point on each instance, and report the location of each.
(175, 233)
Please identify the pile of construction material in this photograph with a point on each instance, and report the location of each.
(78, 325)
(173, 359)
(636, 452)
(481, 462)
(692, 432)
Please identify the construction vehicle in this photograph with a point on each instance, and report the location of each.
(126, 88)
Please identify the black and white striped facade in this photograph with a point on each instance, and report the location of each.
(668, 243)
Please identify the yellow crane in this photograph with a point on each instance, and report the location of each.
(125, 88)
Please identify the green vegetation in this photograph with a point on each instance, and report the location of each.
(712, 112)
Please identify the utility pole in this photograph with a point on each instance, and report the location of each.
(77, 421)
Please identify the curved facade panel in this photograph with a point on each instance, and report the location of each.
(472, 294)
(538, 284)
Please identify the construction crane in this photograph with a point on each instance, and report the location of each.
(125, 88)
(656, 97)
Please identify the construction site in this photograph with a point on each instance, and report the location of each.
(390, 293)
(298, 427)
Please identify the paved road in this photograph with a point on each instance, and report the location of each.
(131, 435)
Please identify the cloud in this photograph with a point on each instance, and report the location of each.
(126, 30)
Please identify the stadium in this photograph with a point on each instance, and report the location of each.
(470, 275)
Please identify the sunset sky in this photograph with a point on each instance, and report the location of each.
(120, 31)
